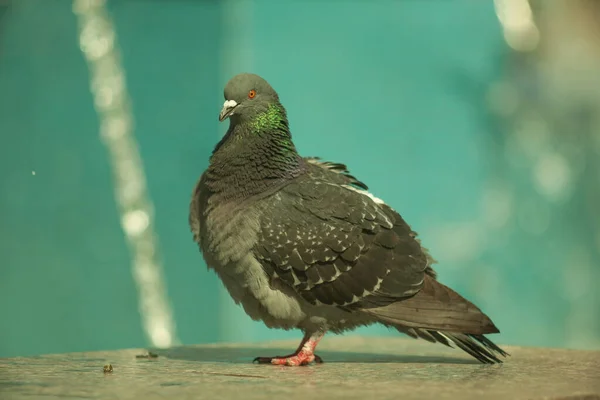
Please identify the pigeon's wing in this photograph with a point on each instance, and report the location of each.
(344, 176)
(337, 245)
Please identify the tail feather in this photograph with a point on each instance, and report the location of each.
(435, 307)
(439, 314)
(477, 346)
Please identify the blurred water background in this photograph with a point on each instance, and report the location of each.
(478, 120)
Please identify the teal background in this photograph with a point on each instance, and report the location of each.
(395, 89)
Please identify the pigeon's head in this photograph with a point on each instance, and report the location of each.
(246, 96)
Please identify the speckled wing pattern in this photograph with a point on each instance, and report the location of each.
(337, 245)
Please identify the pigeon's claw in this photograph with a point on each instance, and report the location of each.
(291, 360)
(303, 356)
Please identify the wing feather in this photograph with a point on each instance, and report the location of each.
(338, 246)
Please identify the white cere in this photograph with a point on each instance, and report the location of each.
(230, 104)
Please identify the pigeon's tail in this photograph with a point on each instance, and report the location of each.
(439, 314)
(478, 346)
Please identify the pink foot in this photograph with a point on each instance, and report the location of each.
(303, 356)
(291, 360)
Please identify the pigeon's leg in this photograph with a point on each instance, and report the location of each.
(305, 354)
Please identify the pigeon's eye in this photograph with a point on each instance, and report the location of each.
(252, 94)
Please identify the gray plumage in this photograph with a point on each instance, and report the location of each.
(301, 244)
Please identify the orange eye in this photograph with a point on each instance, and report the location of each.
(252, 94)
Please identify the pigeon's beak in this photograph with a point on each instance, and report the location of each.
(227, 109)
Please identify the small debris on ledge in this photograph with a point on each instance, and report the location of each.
(148, 355)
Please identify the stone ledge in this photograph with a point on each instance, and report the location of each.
(355, 368)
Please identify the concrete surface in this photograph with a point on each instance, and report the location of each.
(354, 368)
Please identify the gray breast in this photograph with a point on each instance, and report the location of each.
(229, 233)
(228, 249)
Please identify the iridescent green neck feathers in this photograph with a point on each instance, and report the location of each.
(256, 155)
(273, 119)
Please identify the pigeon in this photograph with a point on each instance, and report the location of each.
(300, 243)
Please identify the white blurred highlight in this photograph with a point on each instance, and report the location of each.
(97, 41)
(552, 175)
(516, 17)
